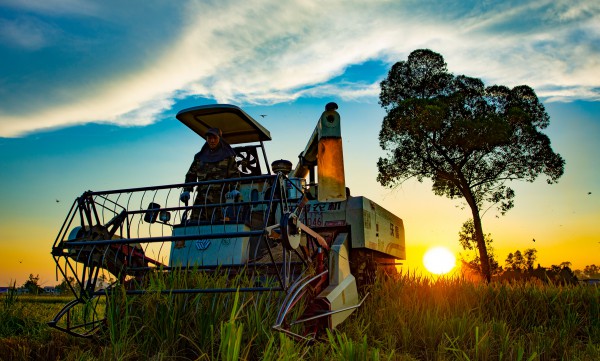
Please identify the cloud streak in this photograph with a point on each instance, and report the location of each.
(26, 33)
(54, 7)
(264, 52)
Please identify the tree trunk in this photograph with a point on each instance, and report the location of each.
(483, 255)
(484, 259)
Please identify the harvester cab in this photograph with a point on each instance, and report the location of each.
(292, 230)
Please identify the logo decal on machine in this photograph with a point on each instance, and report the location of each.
(202, 244)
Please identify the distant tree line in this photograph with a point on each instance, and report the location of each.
(518, 266)
(589, 272)
(66, 286)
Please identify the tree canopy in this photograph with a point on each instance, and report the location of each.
(590, 271)
(32, 284)
(521, 261)
(468, 139)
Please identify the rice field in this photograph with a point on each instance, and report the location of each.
(405, 317)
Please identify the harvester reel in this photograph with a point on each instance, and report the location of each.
(114, 258)
(290, 233)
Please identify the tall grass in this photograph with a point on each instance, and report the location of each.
(222, 326)
(457, 319)
(406, 317)
(24, 334)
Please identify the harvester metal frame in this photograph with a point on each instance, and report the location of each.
(110, 245)
(320, 235)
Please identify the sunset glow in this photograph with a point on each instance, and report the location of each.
(439, 260)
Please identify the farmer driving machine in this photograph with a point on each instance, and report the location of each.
(296, 231)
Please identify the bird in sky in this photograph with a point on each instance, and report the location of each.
(589, 193)
(534, 239)
(263, 115)
(57, 201)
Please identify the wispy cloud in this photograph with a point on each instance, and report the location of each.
(54, 7)
(27, 33)
(266, 52)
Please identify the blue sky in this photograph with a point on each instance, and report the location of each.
(88, 93)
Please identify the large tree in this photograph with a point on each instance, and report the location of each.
(470, 140)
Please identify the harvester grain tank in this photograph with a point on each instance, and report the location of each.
(298, 227)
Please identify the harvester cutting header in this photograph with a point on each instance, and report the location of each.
(293, 230)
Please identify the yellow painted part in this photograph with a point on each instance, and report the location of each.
(340, 296)
(339, 265)
(332, 182)
(342, 291)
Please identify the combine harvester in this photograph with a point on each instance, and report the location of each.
(295, 231)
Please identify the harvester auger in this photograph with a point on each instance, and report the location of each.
(307, 239)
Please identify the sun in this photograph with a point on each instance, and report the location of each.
(439, 260)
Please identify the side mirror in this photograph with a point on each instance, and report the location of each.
(151, 215)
